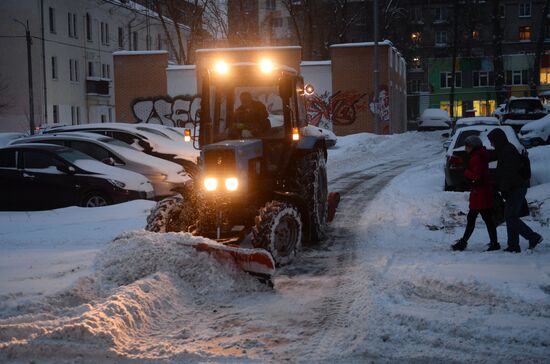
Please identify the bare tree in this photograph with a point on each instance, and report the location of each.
(170, 15)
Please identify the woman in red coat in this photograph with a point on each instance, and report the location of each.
(481, 196)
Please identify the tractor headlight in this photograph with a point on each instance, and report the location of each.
(211, 184)
(231, 184)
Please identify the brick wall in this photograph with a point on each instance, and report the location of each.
(138, 75)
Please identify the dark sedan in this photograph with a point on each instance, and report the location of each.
(45, 176)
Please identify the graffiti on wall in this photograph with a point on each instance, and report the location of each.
(179, 111)
(340, 108)
(383, 109)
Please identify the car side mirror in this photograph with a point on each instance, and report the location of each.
(66, 169)
(109, 161)
(445, 135)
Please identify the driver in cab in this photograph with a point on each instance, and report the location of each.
(250, 119)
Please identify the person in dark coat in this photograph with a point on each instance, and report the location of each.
(513, 188)
(481, 195)
(250, 118)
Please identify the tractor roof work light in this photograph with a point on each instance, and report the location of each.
(309, 89)
(266, 66)
(187, 135)
(221, 67)
(295, 134)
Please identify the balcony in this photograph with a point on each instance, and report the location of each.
(97, 86)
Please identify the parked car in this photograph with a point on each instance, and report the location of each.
(6, 138)
(142, 140)
(166, 177)
(475, 120)
(46, 176)
(522, 110)
(499, 111)
(456, 158)
(434, 119)
(536, 132)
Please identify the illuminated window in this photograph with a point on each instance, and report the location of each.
(524, 33)
(416, 62)
(445, 105)
(416, 37)
(475, 35)
(484, 107)
(545, 76)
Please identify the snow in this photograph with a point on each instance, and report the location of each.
(361, 44)
(6, 138)
(137, 53)
(477, 120)
(312, 130)
(244, 49)
(315, 63)
(537, 125)
(385, 287)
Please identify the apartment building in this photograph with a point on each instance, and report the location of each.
(72, 57)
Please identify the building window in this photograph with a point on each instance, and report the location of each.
(475, 34)
(547, 32)
(134, 41)
(525, 34)
(103, 118)
(54, 68)
(440, 14)
(110, 115)
(270, 4)
(482, 78)
(517, 77)
(446, 79)
(416, 62)
(51, 12)
(441, 37)
(73, 70)
(446, 105)
(73, 114)
(106, 70)
(545, 76)
(148, 42)
(416, 14)
(159, 42)
(89, 27)
(120, 37)
(416, 37)
(55, 113)
(90, 69)
(502, 10)
(484, 107)
(78, 114)
(105, 33)
(72, 26)
(525, 9)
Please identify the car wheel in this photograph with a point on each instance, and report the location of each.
(95, 199)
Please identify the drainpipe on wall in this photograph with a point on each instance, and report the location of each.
(44, 62)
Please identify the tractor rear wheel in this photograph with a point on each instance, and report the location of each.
(170, 214)
(311, 183)
(278, 229)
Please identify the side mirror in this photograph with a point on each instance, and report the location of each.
(445, 135)
(109, 161)
(66, 169)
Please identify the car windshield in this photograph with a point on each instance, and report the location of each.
(115, 142)
(72, 155)
(153, 131)
(525, 105)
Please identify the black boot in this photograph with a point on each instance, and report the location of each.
(513, 249)
(535, 240)
(493, 246)
(459, 245)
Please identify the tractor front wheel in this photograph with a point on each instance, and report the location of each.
(170, 214)
(278, 229)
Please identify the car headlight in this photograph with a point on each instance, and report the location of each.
(211, 184)
(116, 183)
(231, 184)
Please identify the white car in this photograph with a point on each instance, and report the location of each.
(470, 121)
(165, 176)
(536, 132)
(434, 119)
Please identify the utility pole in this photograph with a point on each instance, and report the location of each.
(376, 71)
(29, 70)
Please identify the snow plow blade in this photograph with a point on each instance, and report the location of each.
(257, 262)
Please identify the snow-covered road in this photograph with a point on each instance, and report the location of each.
(383, 287)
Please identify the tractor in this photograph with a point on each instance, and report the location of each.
(256, 187)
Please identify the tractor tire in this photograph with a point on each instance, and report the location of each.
(170, 214)
(311, 183)
(278, 229)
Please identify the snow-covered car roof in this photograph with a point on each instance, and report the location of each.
(6, 138)
(439, 113)
(537, 124)
(481, 131)
(174, 172)
(478, 120)
(523, 98)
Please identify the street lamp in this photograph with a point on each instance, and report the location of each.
(29, 70)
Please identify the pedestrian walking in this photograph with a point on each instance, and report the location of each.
(481, 194)
(512, 176)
